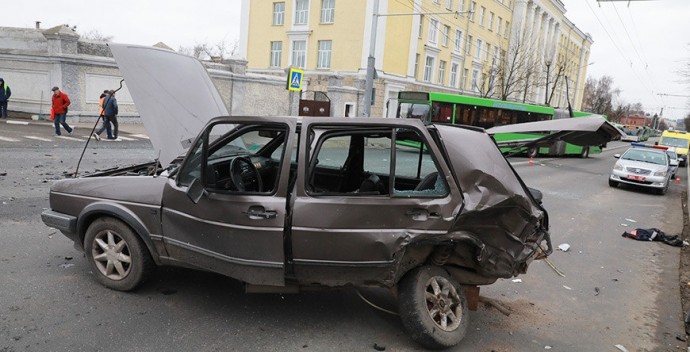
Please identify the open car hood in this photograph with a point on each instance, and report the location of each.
(583, 131)
(173, 93)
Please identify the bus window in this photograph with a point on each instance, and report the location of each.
(484, 118)
(442, 112)
(414, 111)
(463, 115)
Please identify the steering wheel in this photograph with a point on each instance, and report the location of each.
(244, 175)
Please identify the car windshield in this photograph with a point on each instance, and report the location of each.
(646, 156)
(674, 142)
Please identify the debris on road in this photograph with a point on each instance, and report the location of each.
(492, 302)
(560, 273)
(620, 347)
(596, 291)
(517, 280)
(630, 220)
(66, 265)
(567, 287)
(653, 234)
(564, 247)
(379, 347)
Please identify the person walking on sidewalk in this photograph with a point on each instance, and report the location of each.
(60, 104)
(110, 111)
(105, 125)
(5, 93)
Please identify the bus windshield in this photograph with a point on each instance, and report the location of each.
(674, 142)
(414, 110)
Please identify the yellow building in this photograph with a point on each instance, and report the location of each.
(458, 46)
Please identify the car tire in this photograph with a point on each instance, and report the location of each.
(430, 298)
(585, 152)
(662, 191)
(613, 184)
(119, 258)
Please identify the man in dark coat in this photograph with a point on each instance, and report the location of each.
(5, 94)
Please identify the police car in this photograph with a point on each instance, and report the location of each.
(643, 165)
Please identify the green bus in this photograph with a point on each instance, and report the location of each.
(486, 113)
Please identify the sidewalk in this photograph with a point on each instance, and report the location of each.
(130, 128)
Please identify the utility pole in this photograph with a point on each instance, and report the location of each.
(371, 60)
(546, 95)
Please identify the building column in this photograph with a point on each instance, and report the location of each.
(536, 61)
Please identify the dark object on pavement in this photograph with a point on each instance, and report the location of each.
(379, 347)
(653, 234)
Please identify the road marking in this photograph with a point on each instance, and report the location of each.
(126, 138)
(69, 138)
(39, 138)
(140, 136)
(7, 139)
(18, 122)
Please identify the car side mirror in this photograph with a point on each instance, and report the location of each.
(616, 156)
(196, 190)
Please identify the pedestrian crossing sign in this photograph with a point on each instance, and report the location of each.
(295, 79)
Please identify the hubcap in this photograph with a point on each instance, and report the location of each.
(443, 303)
(111, 255)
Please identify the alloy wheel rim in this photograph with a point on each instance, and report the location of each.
(111, 255)
(443, 303)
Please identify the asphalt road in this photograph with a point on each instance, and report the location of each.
(615, 290)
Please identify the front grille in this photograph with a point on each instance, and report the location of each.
(638, 171)
(637, 181)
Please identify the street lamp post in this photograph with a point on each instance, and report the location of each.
(546, 95)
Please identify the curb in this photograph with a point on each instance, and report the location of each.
(123, 127)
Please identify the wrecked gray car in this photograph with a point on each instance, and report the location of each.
(283, 203)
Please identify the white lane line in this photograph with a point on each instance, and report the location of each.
(18, 123)
(140, 136)
(126, 138)
(39, 138)
(69, 138)
(7, 139)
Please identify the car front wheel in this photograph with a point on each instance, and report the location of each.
(433, 307)
(613, 184)
(119, 258)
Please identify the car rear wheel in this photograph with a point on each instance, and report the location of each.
(613, 184)
(584, 153)
(433, 307)
(119, 258)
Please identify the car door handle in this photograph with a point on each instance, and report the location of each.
(420, 214)
(259, 212)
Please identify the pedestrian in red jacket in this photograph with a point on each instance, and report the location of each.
(60, 104)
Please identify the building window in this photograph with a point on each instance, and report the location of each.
(463, 79)
(301, 11)
(437, 2)
(505, 29)
(433, 29)
(327, 11)
(458, 40)
(491, 21)
(475, 83)
(453, 75)
(478, 50)
(449, 4)
(481, 15)
(461, 6)
(416, 65)
(421, 24)
(324, 60)
(428, 67)
(276, 53)
(441, 71)
(278, 13)
(498, 26)
(473, 4)
(299, 50)
(496, 53)
(487, 52)
(444, 39)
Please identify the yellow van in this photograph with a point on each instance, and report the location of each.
(679, 140)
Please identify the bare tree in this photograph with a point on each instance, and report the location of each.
(96, 36)
(215, 52)
(513, 69)
(598, 96)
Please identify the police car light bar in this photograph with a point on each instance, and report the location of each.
(636, 144)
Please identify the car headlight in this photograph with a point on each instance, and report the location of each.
(618, 167)
(660, 173)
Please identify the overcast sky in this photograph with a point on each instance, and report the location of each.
(642, 46)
